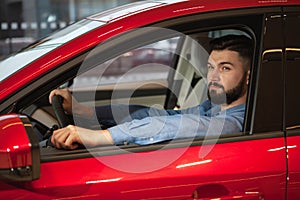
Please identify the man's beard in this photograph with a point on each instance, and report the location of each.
(229, 96)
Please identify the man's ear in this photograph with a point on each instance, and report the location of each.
(248, 76)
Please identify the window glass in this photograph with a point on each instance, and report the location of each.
(292, 71)
(269, 103)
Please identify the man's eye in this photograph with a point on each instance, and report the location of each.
(225, 68)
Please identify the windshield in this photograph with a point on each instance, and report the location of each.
(17, 61)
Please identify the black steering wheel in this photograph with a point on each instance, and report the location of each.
(60, 114)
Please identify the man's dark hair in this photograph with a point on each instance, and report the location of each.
(239, 43)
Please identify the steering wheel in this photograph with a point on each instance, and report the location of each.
(60, 114)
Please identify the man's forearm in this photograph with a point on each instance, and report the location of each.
(82, 110)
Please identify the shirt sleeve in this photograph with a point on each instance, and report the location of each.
(112, 115)
(182, 125)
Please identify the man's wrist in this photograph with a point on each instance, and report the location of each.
(106, 137)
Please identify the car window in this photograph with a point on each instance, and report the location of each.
(269, 103)
(292, 51)
(145, 67)
(129, 66)
(159, 66)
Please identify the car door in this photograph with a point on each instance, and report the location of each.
(292, 109)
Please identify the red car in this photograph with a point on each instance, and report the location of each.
(94, 58)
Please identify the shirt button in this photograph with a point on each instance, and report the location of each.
(151, 139)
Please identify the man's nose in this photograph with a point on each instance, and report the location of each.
(214, 75)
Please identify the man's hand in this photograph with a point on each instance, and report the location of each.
(66, 95)
(70, 104)
(71, 136)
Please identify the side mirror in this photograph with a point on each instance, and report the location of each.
(19, 149)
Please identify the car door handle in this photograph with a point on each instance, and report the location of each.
(220, 192)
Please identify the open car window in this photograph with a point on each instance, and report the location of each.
(168, 74)
(141, 70)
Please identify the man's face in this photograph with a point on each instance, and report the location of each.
(227, 79)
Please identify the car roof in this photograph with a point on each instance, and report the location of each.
(186, 6)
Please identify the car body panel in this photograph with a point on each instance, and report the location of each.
(189, 170)
(293, 166)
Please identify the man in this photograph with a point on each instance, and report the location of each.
(228, 76)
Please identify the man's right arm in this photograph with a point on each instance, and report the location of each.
(71, 136)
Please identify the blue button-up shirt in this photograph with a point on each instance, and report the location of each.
(145, 125)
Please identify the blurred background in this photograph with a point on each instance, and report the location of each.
(24, 21)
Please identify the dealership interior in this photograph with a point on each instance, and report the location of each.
(25, 21)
